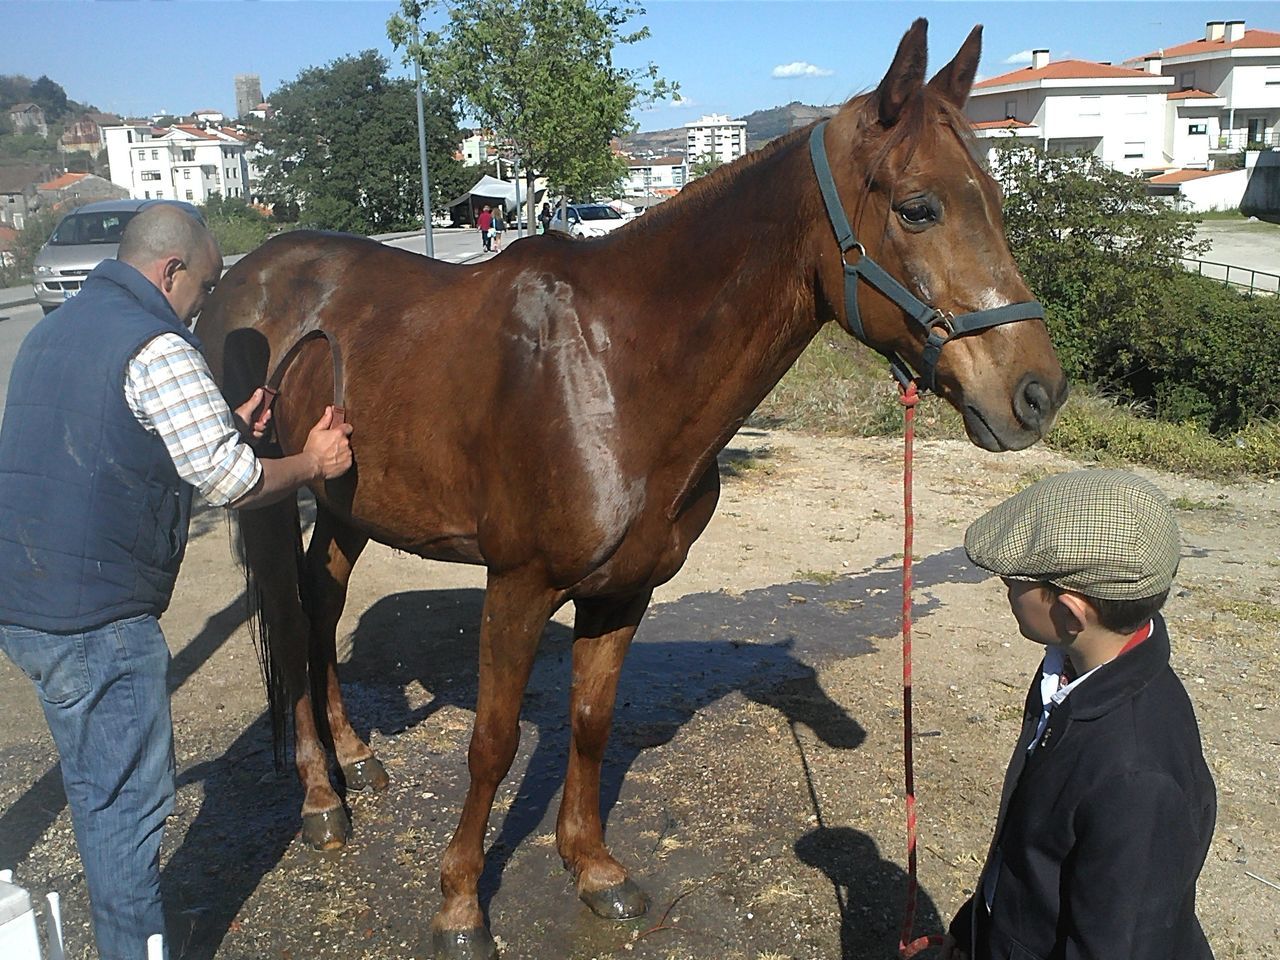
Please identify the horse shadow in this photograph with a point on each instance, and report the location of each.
(765, 646)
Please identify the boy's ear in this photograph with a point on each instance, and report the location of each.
(1080, 609)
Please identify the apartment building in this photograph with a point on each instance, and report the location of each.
(657, 177)
(1073, 106)
(715, 137)
(183, 162)
(1226, 95)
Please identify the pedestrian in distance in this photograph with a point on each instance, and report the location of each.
(544, 217)
(499, 225)
(93, 531)
(484, 223)
(1108, 807)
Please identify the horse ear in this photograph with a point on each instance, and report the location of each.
(906, 74)
(955, 80)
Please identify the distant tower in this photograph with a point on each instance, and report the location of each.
(248, 93)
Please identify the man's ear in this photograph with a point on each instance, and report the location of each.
(1081, 611)
(168, 272)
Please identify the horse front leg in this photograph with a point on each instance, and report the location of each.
(602, 633)
(516, 609)
(335, 547)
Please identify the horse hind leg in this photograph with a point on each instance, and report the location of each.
(602, 633)
(270, 537)
(334, 549)
(516, 608)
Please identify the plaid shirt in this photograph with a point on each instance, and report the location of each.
(170, 390)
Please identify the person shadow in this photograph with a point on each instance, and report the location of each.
(869, 891)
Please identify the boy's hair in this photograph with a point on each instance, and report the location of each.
(1122, 616)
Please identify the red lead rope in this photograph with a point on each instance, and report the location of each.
(907, 947)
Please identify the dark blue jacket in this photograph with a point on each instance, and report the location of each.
(93, 515)
(1103, 829)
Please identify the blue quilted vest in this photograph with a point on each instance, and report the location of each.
(93, 515)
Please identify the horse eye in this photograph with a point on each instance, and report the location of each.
(917, 212)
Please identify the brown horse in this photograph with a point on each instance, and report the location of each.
(554, 414)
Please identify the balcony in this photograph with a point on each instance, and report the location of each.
(1233, 141)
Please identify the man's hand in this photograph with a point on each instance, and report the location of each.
(250, 422)
(330, 446)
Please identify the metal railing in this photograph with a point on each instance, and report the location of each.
(1259, 281)
(1241, 140)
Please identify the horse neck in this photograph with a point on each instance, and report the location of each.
(732, 297)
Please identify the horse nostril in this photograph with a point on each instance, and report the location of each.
(1032, 404)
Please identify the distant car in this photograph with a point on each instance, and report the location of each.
(83, 239)
(588, 220)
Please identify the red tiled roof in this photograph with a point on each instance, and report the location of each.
(1065, 70)
(194, 131)
(1182, 176)
(1000, 125)
(8, 236)
(62, 182)
(1252, 40)
(1192, 95)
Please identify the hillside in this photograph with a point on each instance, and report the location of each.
(762, 126)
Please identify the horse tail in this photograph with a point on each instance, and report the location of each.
(262, 539)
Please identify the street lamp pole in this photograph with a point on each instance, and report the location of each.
(422, 147)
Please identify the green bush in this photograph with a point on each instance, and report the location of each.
(236, 226)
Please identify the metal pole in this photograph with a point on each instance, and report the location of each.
(519, 229)
(422, 148)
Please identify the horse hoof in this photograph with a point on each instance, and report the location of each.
(474, 944)
(368, 773)
(327, 830)
(622, 901)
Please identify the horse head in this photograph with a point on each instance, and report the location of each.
(925, 275)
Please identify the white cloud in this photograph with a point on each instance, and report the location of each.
(799, 68)
(1023, 56)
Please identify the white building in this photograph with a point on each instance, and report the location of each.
(1073, 106)
(1227, 92)
(715, 137)
(182, 162)
(474, 150)
(665, 175)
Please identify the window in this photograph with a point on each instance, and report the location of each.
(146, 194)
(1198, 129)
(186, 173)
(155, 154)
(1133, 150)
(188, 155)
(1187, 80)
(1010, 109)
(150, 175)
(1090, 106)
(190, 195)
(159, 193)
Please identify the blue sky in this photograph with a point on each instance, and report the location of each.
(729, 56)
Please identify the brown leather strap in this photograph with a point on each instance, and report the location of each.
(272, 386)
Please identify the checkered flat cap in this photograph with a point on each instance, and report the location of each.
(1103, 533)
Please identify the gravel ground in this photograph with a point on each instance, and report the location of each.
(753, 782)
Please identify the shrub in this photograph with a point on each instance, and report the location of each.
(236, 226)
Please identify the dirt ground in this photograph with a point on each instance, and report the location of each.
(754, 778)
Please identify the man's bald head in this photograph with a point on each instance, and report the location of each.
(176, 252)
(164, 230)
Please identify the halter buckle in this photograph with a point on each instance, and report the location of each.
(844, 257)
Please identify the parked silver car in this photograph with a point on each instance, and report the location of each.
(84, 238)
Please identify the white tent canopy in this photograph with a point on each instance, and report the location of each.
(493, 191)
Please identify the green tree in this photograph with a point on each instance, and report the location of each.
(541, 74)
(343, 147)
(236, 226)
(50, 97)
(1093, 246)
(703, 166)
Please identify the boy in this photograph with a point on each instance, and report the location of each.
(1108, 806)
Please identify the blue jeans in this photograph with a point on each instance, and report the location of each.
(107, 704)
